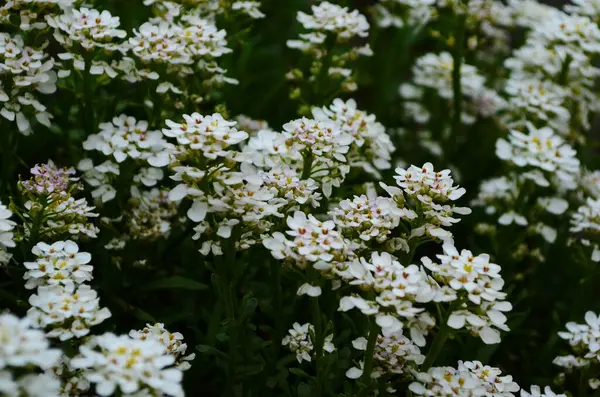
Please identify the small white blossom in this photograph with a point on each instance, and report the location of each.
(300, 342)
(130, 365)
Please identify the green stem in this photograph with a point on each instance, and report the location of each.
(318, 342)
(228, 287)
(583, 382)
(278, 307)
(437, 345)
(456, 81)
(564, 72)
(307, 166)
(89, 125)
(369, 355)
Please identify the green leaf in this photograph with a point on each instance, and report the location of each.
(251, 369)
(205, 349)
(222, 337)
(299, 372)
(248, 307)
(175, 282)
(304, 390)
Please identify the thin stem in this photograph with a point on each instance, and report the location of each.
(276, 277)
(372, 341)
(456, 80)
(89, 124)
(583, 382)
(228, 287)
(563, 76)
(438, 344)
(307, 166)
(317, 323)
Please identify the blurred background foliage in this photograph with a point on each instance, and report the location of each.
(174, 286)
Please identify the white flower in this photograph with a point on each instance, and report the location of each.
(6, 228)
(369, 218)
(122, 363)
(22, 346)
(554, 205)
(150, 214)
(371, 146)
(100, 177)
(413, 13)
(587, 217)
(307, 289)
(251, 8)
(287, 181)
(393, 353)
(328, 17)
(536, 391)
(87, 27)
(543, 149)
(543, 100)
(300, 342)
(59, 263)
(125, 137)
(311, 241)
(212, 135)
(471, 378)
(324, 147)
(173, 343)
(511, 217)
(66, 312)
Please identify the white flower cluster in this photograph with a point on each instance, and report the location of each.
(542, 101)
(100, 177)
(88, 28)
(552, 75)
(586, 222)
(587, 218)
(544, 150)
(130, 365)
(150, 214)
(125, 137)
(397, 289)
(368, 218)
(25, 71)
(371, 146)
(74, 384)
(435, 72)
(6, 233)
(584, 340)
(313, 243)
(470, 379)
(31, 13)
(173, 343)
(63, 304)
(536, 391)
(393, 354)
(50, 193)
(185, 41)
(427, 191)
(476, 286)
(401, 13)
(322, 149)
(58, 264)
(208, 170)
(300, 341)
(323, 146)
(329, 25)
(330, 17)
(291, 187)
(23, 349)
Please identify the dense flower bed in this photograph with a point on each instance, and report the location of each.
(299, 198)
